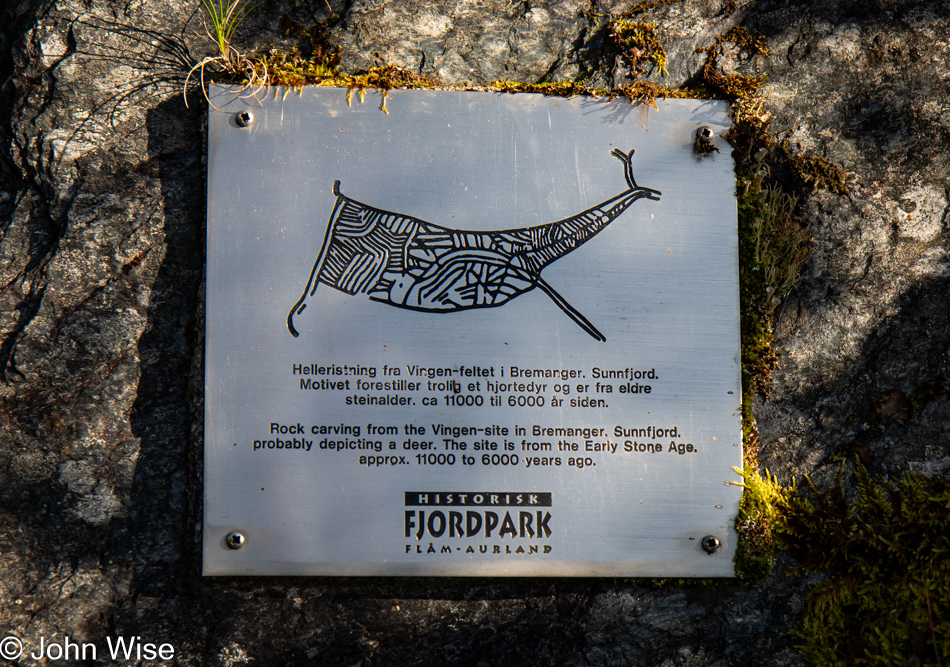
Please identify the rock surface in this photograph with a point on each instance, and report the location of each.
(101, 269)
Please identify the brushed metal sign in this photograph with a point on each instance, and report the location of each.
(483, 334)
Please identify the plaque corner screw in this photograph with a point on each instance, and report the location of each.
(244, 118)
(703, 143)
(711, 544)
(235, 540)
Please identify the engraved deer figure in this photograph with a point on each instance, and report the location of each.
(410, 263)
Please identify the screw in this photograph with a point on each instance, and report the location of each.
(244, 118)
(711, 544)
(704, 140)
(236, 540)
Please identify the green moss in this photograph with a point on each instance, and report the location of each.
(745, 91)
(773, 245)
(638, 43)
(817, 172)
(756, 523)
(644, 92)
(744, 39)
(737, 86)
(779, 240)
(553, 88)
(291, 70)
(886, 598)
(772, 249)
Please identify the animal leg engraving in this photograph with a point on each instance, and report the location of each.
(413, 264)
(572, 312)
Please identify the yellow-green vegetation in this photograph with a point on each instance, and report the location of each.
(291, 70)
(555, 88)
(886, 555)
(928, 392)
(644, 92)
(744, 39)
(225, 16)
(638, 43)
(817, 172)
(758, 516)
(773, 245)
(778, 240)
(745, 90)
(761, 207)
(886, 598)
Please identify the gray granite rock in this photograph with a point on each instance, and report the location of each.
(101, 263)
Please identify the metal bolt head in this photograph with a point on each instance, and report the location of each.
(704, 144)
(711, 544)
(244, 118)
(234, 540)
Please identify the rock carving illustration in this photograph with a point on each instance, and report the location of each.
(414, 264)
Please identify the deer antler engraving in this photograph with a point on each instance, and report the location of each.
(410, 263)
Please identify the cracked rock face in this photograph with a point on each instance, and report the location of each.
(101, 264)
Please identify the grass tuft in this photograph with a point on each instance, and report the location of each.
(225, 16)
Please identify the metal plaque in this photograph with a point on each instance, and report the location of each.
(481, 334)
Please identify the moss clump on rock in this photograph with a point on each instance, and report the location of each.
(817, 172)
(638, 43)
(886, 598)
(756, 523)
(778, 239)
(292, 70)
(550, 88)
(741, 37)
